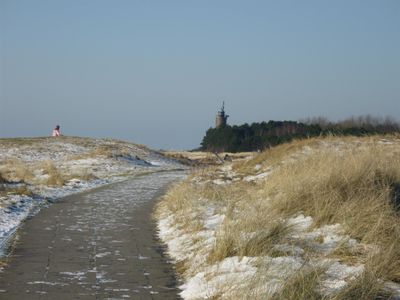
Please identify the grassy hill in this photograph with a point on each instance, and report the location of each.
(55, 161)
(311, 219)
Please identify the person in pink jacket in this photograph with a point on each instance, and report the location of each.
(56, 131)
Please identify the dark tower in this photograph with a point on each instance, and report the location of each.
(220, 120)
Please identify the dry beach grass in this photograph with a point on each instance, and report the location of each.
(347, 189)
(58, 159)
(206, 158)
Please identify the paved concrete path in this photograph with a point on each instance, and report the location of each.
(95, 245)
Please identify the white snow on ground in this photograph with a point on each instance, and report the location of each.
(257, 177)
(230, 272)
(306, 248)
(181, 245)
(338, 275)
(300, 223)
(213, 221)
(385, 142)
(220, 181)
(257, 167)
(84, 163)
(15, 208)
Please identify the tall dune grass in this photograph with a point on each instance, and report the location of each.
(351, 181)
(353, 188)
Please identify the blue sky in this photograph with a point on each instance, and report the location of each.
(156, 72)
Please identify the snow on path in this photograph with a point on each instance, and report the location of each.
(68, 156)
(94, 245)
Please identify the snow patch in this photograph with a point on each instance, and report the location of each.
(257, 177)
(229, 273)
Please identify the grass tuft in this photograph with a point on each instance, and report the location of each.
(54, 176)
(304, 284)
(14, 170)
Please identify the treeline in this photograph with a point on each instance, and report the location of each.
(259, 136)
